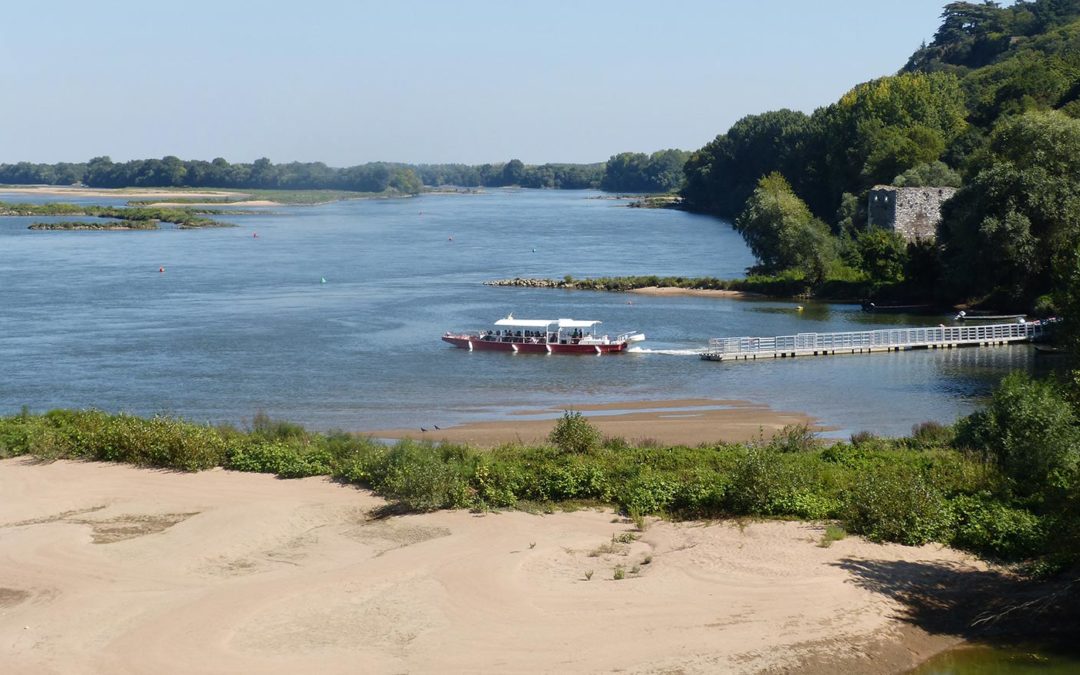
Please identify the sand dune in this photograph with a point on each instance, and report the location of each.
(110, 569)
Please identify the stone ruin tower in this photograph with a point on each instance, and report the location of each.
(913, 212)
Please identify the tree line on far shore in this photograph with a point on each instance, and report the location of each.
(661, 171)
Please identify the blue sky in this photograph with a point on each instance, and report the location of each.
(413, 81)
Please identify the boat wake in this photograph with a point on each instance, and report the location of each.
(666, 352)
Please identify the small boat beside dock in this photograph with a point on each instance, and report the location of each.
(869, 341)
(964, 316)
(871, 307)
(543, 336)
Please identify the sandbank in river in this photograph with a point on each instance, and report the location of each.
(673, 422)
(145, 194)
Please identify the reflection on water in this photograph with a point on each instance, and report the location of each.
(237, 324)
(1000, 661)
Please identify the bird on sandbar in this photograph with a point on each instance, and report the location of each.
(423, 429)
(438, 428)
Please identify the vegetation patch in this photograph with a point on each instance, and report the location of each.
(1004, 486)
(143, 215)
(111, 225)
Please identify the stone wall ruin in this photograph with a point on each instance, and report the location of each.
(913, 212)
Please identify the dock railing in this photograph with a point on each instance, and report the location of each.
(872, 340)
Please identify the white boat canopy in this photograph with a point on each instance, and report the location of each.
(525, 323)
(570, 323)
(544, 323)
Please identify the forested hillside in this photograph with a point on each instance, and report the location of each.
(991, 104)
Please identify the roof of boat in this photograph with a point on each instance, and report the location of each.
(544, 323)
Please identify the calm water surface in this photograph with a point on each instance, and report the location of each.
(1001, 661)
(239, 323)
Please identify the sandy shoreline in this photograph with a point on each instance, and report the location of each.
(672, 422)
(704, 292)
(112, 569)
(182, 205)
(127, 193)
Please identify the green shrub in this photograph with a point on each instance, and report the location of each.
(647, 494)
(860, 438)
(833, 532)
(158, 441)
(802, 503)
(852, 455)
(1031, 432)
(282, 459)
(931, 434)
(794, 438)
(992, 528)
(896, 503)
(422, 477)
(759, 480)
(270, 429)
(574, 434)
(701, 494)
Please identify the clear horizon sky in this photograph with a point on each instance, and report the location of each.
(426, 82)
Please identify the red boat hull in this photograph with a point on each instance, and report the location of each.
(475, 343)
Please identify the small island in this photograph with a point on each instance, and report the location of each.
(122, 217)
(111, 225)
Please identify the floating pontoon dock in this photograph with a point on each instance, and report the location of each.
(868, 341)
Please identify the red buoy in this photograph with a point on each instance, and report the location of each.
(161, 269)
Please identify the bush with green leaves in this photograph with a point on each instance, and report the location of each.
(1031, 431)
(287, 460)
(987, 526)
(574, 434)
(895, 502)
(794, 438)
(904, 490)
(423, 477)
(931, 434)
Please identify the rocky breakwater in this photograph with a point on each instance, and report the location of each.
(532, 283)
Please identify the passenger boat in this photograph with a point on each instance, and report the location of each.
(543, 336)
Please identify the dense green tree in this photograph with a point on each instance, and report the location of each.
(624, 172)
(929, 174)
(405, 180)
(721, 175)
(513, 173)
(661, 171)
(883, 128)
(782, 233)
(882, 254)
(1013, 227)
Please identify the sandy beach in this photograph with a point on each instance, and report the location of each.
(112, 569)
(704, 292)
(671, 422)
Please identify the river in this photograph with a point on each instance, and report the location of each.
(330, 316)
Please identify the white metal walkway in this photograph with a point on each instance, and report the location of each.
(867, 341)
